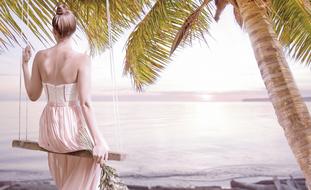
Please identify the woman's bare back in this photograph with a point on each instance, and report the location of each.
(59, 65)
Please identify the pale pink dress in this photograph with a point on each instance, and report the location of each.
(60, 123)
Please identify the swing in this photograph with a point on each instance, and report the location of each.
(32, 145)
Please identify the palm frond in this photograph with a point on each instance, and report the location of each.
(148, 46)
(220, 6)
(292, 22)
(93, 19)
(185, 29)
(91, 16)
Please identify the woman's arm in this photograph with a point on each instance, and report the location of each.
(33, 83)
(100, 150)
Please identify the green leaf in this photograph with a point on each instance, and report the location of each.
(148, 46)
(292, 23)
(90, 14)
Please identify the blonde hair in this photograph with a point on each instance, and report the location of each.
(64, 21)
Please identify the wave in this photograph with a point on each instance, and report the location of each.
(220, 176)
(23, 175)
(224, 172)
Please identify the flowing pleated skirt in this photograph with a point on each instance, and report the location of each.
(59, 132)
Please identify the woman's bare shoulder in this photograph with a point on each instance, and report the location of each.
(41, 55)
(43, 52)
(82, 59)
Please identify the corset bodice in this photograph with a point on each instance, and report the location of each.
(60, 94)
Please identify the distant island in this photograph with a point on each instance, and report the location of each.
(307, 99)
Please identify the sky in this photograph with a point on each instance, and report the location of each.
(225, 68)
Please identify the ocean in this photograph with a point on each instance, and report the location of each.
(167, 143)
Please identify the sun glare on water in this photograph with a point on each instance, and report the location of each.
(206, 97)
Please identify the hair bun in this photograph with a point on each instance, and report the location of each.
(61, 9)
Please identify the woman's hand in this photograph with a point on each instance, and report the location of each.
(100, 153)
(26, 55)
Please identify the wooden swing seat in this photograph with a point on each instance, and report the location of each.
(32, 145)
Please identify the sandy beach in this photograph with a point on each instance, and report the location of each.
(49, 185)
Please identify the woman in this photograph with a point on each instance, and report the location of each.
(64, 74)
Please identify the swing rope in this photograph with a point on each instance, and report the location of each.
(27, 4)
(20, 79)
(20, 85)
(19, 99)
(115, 95)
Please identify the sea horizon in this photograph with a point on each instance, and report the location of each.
(128, 94)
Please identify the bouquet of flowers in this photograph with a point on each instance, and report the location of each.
(109, 179)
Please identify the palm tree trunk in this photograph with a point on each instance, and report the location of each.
(289, 106)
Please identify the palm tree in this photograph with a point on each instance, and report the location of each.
(272, 26)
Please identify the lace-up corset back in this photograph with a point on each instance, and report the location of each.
(60, 94)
